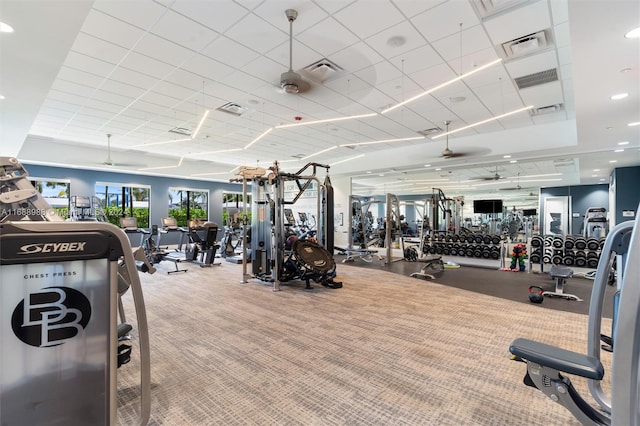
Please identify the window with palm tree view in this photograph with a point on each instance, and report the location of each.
(119, 201)
(56, 193)
(188, 204)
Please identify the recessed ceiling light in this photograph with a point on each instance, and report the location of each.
(594, 175)
(623, 143)
(381, 174)
(5, 28)
(2, 97)
(427, 165)
(513, 161)
(506, 156)
(602, 180)
(635, 123)
(634, 33)
(596, 170)
(618, 150)
(619, 96)
(457, 99)
(438, 169)
(613, 161)
(368, 171)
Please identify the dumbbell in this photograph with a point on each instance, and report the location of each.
(455, 238)
(557, 259)
(478, 239)
(569, 242)
(569, 260)
(453, 251)
(557, 242)
(580, 243)
(495, 253)
(486, 252)
(477, 251)
(592, 262)
(548, 240)
(593, 244)
(495, 239)
(601, 243)
(469, 251)
(536, 241)
(581, 262)
(535, 256)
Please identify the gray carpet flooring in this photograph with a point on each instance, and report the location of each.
(385, 349)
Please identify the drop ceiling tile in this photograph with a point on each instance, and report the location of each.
(88, 64)
(543, 95)
(379, 73)
(445, 19)
(91, 46)
(183, 31)
(228, 51)
(327, 37)
(356, 57)
(216, 15)
(148, 66)
(471, 40)
(163, 50)
(364, 21)
(100, 25)
(433, 77)
(207, 68)
(141, 14)
(79, 77)
(562, 36)
(417, 59)
(309, 14)
(413, 7)
(257, 34)
(396, 41)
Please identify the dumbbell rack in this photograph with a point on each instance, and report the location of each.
(572, 250)
(480, 246)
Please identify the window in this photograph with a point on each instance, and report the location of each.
(188, 204)
(232, 208)
(124, 201)
(55, 192)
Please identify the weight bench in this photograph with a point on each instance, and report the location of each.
(544, 365)
(561, 274)
(356, 253)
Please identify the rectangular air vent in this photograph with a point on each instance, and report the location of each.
(429, 132)
(492, 7)
(323, 70)
(547, 109)
(537, 78)
(525, 45)
(233, 108)
(181, 131)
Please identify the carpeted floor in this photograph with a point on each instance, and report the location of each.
(385, 349)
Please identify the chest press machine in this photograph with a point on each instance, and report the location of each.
(59, 300)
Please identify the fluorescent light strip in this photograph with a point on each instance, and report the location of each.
(533, 176)
(540, 180)
(351, 117)
(258, 138)
(433, 89)
(159, 168)
(213, 152)
(492, 183)
(193, 136)
(162, 143)
(320, 152)
(483, 121)
(347, 159)
(383, 141)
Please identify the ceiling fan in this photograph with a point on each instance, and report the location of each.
(291, 81)
(109, 161)
(495, 176)
(515, 188)
(448, 153)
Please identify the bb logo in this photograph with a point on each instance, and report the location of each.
(51, 316)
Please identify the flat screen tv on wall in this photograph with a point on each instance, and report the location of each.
(487, 206)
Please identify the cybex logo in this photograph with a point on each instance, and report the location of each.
(52, 247)
(51, 316)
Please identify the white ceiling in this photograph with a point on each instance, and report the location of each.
(75, 71)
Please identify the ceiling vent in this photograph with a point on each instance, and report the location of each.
(323, 70)
(537, 78)
(181, 131)
(492, 7)
(547, 109)
(429, 132)
(233, 108)
(525, 45)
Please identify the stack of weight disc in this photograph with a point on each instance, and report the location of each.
(482, 246)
